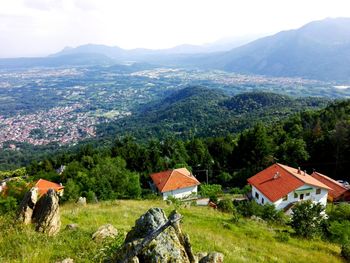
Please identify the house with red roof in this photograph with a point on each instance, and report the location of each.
(178, 183)
(338, 192)
(44, 186)
(283, 186)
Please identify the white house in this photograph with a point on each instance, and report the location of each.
(179, 183)
(283, 186)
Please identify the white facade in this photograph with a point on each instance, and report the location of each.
(181, 193)
(305, 192)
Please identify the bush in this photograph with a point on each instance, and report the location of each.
(340, 212)
(210, 190)
(340, 231)
(307, 220)
(270, 213)
(249, 208)
(7, 205)
(345, 251)
(226, 206)
(282, 237)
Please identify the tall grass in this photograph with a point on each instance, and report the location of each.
(209, 230)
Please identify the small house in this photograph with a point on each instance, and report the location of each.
(283, 186)
(178, 183)
(338, 192)
(44, 185)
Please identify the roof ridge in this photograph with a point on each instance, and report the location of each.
(167, 179)
(282, 166)
(330, 179)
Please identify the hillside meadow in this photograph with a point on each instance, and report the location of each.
(209, 230)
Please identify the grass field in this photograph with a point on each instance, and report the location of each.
(209, 230)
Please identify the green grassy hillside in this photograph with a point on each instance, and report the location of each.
(209, 230)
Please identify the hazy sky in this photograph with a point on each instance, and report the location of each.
(40, 27)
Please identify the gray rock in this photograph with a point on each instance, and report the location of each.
(166, 247)
(257, 219)
(104, 232)
(26, 208)
(72, 226)
(46, 214)
(81, 201)
(213, 257)
(66, 260)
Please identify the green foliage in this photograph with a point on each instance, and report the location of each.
(248, 208)
(307, 220)
(71, 191)
(210, 190)
(7, 204)
(267, 212)
(345, 251)
(340, 231)
(226, 206)
(340, 212)
(282, 236)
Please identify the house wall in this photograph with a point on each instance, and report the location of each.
(180, 193)
(280, 204)
(262, 198)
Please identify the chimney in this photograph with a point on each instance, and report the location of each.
(299, 171)
(304, 172)
(277, 174)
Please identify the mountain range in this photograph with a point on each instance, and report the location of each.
(318, 50)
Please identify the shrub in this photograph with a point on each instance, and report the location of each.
(307, 220)
(270, 213)
(248, 208)
(282, 237)
(226, 206)
(210, 190)
(340, 212)
(345, 251)
(7, 204)
(339, 231)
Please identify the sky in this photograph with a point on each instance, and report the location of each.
(42, 27)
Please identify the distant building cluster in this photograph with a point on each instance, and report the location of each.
(60, 124)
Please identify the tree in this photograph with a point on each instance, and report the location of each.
(307, 219)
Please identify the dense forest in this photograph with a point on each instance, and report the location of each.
(203, 112)
(181, 114)
(317, 139)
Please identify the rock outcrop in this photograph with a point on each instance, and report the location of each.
(46, 214)
(155, 238)
(213, 257)
(26, 208)
(81, 201)
(104, 232)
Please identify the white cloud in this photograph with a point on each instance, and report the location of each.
(31, 27)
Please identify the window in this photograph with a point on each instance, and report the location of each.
(307, 194)
(262, 200)
(318, 191)
(301, 196)
(295, 195)
(285, 198)
(256, 195)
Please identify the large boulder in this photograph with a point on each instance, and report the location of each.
(212, 257)
(26, 208)
(104, 232)
(46, 214)
(169, 246)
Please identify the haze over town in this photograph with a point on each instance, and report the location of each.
(43, 27)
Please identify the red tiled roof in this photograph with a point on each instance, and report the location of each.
(44, 185)
(279, 180)
(173, 179)
(337, 188)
